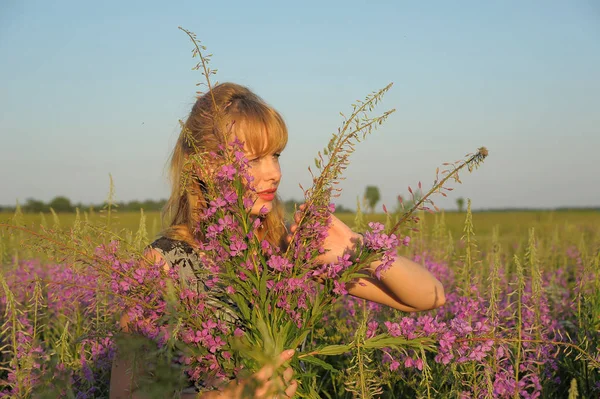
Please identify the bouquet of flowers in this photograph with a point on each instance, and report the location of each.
(257, 299)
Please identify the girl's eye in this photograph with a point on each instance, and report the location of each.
(257, 159)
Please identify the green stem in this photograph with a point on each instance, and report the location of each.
(474, 159)
(204, 66)
(342, 141)
(361, 370)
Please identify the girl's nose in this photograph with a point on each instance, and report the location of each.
(272, 170)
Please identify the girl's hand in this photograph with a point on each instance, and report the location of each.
(340, 238)
(268, 387)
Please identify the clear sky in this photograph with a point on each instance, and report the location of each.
(92, 88)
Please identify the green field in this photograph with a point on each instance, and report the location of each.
(527, 281)
(512, 225)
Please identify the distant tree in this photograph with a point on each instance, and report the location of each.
(416, 196)
(290, 205)
(342, 209)
(460, 202)
(153, 205)
(34, 206)
(405, 204)
(61, 204)
(135, 206)
(372, 197)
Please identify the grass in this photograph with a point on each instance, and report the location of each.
(504, 257)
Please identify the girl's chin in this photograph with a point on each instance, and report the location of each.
(261, 205)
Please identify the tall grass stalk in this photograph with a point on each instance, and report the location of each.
(440, 234)
(361, 380)
(470, 251)
(110, 205)
(520, 289)
(11, 328)
(536, 281)
(55, 220)
(141, 236)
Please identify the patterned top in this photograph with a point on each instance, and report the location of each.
(181, 255)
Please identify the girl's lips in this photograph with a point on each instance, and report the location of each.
(267, 195)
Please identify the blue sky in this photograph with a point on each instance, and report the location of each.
(92, 88)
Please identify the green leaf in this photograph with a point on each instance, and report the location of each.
(320, 363)
(242, 305)
(331, 350)
(316, 305)
(296, 342)
(263, 285)
(385, 340)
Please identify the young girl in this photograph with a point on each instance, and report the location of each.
(405, 286)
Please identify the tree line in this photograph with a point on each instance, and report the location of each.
(63, 204)
(370, 199)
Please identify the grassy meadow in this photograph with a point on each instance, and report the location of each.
(513, 226)
(522, 316)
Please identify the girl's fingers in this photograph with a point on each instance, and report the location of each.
(265, 373)
(267, 390)
(263, 390)
(290, 391)
(293, 228)
(285, 356)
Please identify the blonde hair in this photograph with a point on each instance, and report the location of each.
(254, 122)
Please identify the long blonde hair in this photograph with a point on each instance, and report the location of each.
(255, 122)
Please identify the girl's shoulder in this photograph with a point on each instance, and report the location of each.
(176, 253)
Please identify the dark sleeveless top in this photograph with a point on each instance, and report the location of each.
(181, 255)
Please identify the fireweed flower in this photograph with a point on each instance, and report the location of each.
(279, 263)
(461, 329)
(268, 285)
(227, 172)
(63, 292)
(376, 240)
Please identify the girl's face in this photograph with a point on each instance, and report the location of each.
(266, 172)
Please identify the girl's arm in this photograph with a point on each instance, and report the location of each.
(406, 285)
